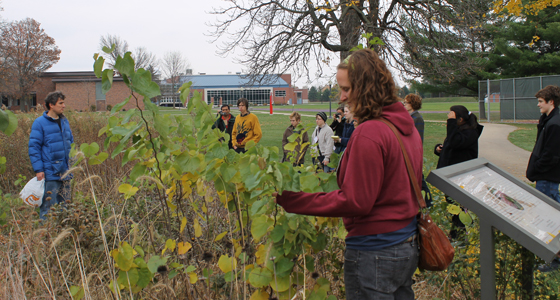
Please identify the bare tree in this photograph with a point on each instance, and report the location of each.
(121, 47)
(147, 61)
(26, 52)
(173, 65)
(290, 35)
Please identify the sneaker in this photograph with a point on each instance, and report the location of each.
(553, 266)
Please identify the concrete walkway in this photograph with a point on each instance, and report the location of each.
(496, 148)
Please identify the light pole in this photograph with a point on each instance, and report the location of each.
(330, 101)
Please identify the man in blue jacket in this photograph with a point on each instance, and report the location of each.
(49, 150)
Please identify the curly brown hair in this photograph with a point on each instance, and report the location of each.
(414, 100)
(372, 85)
(550, 92)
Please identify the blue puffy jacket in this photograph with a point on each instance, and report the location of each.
(49, 146)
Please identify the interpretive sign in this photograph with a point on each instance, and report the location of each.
(511, 202)
(503, 202)
(507, 203)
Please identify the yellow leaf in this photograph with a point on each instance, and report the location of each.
(172, 206)
(208, 196)
(193, 278)
(453, 209)
(197, 228)
(260, 295)
(183, 224)
(220, 236)
(169, 244)
(261, 254)
(184, 247)
(200, 187)
(227, 264)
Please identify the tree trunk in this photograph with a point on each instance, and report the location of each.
(349, 30)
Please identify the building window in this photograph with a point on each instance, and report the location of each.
(99, 92)
(255, 96)
(279, 93)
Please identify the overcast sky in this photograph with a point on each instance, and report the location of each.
(160, 26)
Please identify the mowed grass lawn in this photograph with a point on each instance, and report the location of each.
(426, 106)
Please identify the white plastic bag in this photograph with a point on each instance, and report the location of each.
(32, 193)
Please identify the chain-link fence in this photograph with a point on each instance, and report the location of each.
(516, 97)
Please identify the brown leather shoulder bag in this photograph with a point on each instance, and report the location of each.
(436, 252)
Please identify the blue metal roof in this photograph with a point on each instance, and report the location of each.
(233, 81)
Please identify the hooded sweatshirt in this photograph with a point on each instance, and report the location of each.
(375, 194)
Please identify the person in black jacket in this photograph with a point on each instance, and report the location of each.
(544, 164)
(460, 145)
(337, 125)
(341, 142)
(461, 142)
(225, 122)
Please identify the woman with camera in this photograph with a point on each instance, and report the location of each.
(376, 198)
(349, 125)
(460, 145)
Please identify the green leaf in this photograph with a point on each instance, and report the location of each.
(106, 80)
(98, 66)
(309, 183)
(77, 292)
(2, 166)
(8, 122)
(138, 170)
(465, 218)
(310, 263)
(320, 242)
(125, 65)
(126, 277)
(144, 277)
(280, 283)
(109, 50)
(89, 150)
(261, 225)
(99, 159)
(139, 250)
(260, 277)
(284, 266)
(185, 90)
(119, 106)
(143, 84)
(277, 234)
(155, 262)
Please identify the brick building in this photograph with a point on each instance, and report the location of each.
(82, 91)
(227, 89)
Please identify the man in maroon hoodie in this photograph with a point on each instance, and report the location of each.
(375, 199)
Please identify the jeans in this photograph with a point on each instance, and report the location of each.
(382, 274)
(56, 191)
(548, 188)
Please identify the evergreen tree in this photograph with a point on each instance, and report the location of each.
(313, 94)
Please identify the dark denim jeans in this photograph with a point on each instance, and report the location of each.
(59, 193)
(548, 188)
(382, 274)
